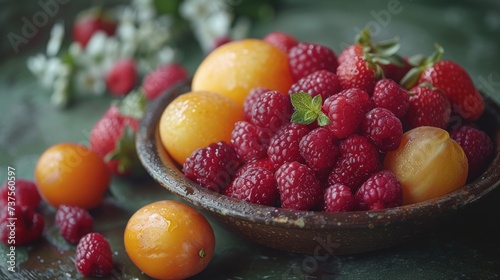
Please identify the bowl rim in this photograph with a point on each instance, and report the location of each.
(167, 173)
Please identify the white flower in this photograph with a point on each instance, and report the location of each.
(215, 26)
(145, 9)
(198, 10)
(56, 38)
(96, 44)
(91, 80)
(165, 55)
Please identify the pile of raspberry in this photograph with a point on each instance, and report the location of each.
(321, 145)
(19, 203)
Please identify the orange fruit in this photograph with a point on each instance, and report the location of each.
(428, 163)
(195, 120)
(169, 240)
(71, 174)
(235, 68)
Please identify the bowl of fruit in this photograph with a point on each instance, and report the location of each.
(297, 148)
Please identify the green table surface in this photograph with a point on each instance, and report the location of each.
(466, 246)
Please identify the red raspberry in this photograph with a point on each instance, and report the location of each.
(382, 190)
(362, 98)
(94, 256)
(355, 72)
(306, 58)
(213, 166)
(298, 186)
(319, 149)
(383, 129)
(27, 225)
(339, 198)
(428, 107)
(255, 185)
(121, 78)
(250, 141)
(22, 192)
(391, 96)
(73, 222)
(358, 160)
(163, 78)
(284, 145)
(478, 148)
(321, 82)
(251, 99)
(281, 40)
(345, 114)
(264, 163)
(271, 110)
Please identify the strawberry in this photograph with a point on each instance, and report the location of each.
(281, 40)
(452, 79)
(428, 107)
(113, 135)
(357, 72)
(163, 78)
(122, 76)
(88, 23)
(382, 55)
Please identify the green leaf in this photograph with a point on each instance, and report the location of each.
(133, 105)
(411, 78)
(323, 119)
(301, 100)
(300, 117)
(316, 103)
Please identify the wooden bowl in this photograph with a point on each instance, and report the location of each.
(307, 231)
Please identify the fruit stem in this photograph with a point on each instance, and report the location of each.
(202, 253)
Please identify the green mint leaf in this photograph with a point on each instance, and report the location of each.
(323, 119)
(316, 103)
(300, 117)
(301, 101)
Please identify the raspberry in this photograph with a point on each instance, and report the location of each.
(321, 82)
(361, 97)
(255, 185)
(345, 114)
(319, 149)
(382, 190)
(162, 78)
(122, 77)
(383, 129)
(213, 166)
(306, 58)
(428, 107)
(25, 193)
(358, 160)
(281, 40)
(28, 225)
(389, 95)
(251, 99)
(249, 141)
(284, 145)
(478, 148)
(264, 163)
(271, 110)
(73, 222)
(298, 186)
(339, 198)
(94, 256)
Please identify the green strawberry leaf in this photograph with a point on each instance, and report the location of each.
(126, 154)
(307, 109)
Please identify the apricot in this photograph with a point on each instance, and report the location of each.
(235, 68)
(196, 119)
(428, 163)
